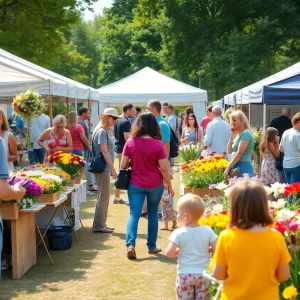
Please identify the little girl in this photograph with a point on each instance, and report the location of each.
(250, 257)
(167, 210)
(191, 244)
(269, 151)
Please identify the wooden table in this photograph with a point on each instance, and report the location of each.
(23, 238)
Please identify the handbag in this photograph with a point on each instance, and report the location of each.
(96, 163)
(236, 172)
(122, 181)
(279, 162)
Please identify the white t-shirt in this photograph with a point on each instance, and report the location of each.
(193, 243)
(290, 142)
(38, 126)
(172, 120)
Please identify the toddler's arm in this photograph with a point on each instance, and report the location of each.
(172, 250)
(212, 247)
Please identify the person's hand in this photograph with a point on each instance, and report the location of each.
(48, 149)
(114, 174)
(177, 251)
(20, 191)
(57, 149)
(89, 148)
(171, 192)
(226, 172)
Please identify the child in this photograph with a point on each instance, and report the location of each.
(269, 151)
(191, 244)
(250, 257)
(167, 210)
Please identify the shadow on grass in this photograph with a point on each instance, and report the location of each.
(68, 265)
(160, 257)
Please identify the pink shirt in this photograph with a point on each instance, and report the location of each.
(144, 155)
(204, 122)
(75, 133)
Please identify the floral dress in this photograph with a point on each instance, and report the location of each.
(56, 141)
(269, 173)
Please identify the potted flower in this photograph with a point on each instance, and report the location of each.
(189, 152)
(70, 163)
(198, 175)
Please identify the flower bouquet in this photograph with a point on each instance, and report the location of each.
(28, 105)
(189, 152)
(204, 172)
(70, 163)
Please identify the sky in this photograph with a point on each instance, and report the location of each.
(98, 7)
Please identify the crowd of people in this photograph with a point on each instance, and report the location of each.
(142, 141)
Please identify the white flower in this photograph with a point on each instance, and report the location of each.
(278, 188)
(52, 177)
(33, 173)
(285, 214)
(280, 203)
(221, 186)
(298, 220)
(217, 208)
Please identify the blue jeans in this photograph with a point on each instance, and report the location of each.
(245, 167)
(136, 197)
(77, 152)
(1, 239)
(37, 156)
(292, 174)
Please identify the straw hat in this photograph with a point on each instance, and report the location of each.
(109, 111)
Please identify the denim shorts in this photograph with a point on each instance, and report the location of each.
(245, 167)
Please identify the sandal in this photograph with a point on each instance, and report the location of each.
(174, 225)
(155, 251)
(164, 228)
(131, 252)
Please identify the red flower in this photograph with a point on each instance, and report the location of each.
(292, 189)
(280, 227)
(224, 212)
(201, 157)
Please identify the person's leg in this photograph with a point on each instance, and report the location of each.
(153, 198)
(288, 175)
(164, 215)
(103, 180)
(1, 238)
(184, 287)
(296, 175)
(136, 197)
(202, 286)
(88, 175)
(32, 157)
(144, 211)
(41, 153)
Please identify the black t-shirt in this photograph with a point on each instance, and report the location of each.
(121, 126)
(282, 124)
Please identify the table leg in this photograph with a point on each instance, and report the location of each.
(55, 212)
(66, 211)
(43, 241)
(81, 222)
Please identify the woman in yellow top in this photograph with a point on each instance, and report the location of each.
(250, 257)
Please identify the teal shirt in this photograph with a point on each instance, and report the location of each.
(164, 128)
(247, 136)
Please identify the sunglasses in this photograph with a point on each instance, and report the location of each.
(114, 118)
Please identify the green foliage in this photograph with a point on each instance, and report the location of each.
(58, 107)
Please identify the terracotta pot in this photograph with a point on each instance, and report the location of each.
(72, 182)
(203, 192)
(78, 179)
(9, 211)
(49, 197)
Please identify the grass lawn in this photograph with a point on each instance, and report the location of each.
(96, 267)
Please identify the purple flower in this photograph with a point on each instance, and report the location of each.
(32, 189)
(212, 186)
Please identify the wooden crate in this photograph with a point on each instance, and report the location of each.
(49, 197)
(9, 211)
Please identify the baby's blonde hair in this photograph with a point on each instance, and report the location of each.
(193, 204)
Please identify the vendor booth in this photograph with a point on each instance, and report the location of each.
(148, 84)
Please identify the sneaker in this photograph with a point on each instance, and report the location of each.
(119, 201)
(89, 193)
(4, 265)
(93, 188)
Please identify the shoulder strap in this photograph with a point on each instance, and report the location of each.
(93, 150)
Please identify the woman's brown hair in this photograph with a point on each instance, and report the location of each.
(187, 112)
(269, 137)
(249, 205)
(195, 122)
(146, 124)
(5, 125)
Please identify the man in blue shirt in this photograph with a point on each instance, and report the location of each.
(7, 192)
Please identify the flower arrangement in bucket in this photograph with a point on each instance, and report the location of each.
(204, 172)
(189, 152)
(28, 104)
(70, 163)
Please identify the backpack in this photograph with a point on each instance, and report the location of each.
(174, 143)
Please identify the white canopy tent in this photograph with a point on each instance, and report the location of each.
(148, 84)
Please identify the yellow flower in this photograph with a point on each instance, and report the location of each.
(65, 162)
(290, 292)
(75, 162)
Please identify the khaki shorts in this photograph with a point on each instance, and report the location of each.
(119, 156)
(170, 169)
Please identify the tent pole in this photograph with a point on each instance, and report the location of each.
(50, 109)
(98, 107)
(249, 112)
(89, 107)
(264, 116)
(68, 111)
